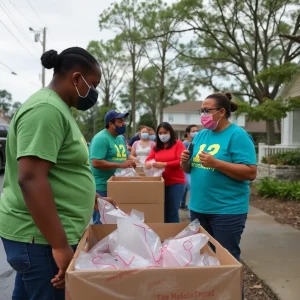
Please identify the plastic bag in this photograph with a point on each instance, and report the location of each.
(185, 251)
(109, 214)
(130, 259)
(191, 229)
(209, 260)
(129, 172)
(105, 261)
(138, 238)
(153, 172)
(106, 245)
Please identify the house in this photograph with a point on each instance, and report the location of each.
(290, 125)
(3, 118)
(186, 113)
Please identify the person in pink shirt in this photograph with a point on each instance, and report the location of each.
(167, 153)
(141, 149)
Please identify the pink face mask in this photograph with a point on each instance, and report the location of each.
(208, 122)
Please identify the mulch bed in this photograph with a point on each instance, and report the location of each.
(284, 212)
(255, 288)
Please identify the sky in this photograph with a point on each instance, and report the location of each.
(68, 22)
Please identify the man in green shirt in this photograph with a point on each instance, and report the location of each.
(108, 153)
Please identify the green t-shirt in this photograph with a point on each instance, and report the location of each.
(45, 127)
(106, 147)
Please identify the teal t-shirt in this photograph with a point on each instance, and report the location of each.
(213, 192)
(106, 147)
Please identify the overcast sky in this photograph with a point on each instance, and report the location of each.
(69, 23)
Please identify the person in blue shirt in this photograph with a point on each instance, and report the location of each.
(222, 164)
(190, 133)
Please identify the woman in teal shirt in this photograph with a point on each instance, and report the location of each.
(221, 165)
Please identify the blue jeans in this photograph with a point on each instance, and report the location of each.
(187, 188)
(35, 267)
(96, 215)
(226, 229)
(173, 196)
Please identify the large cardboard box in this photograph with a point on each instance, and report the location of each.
(205, 283)
(146, 194)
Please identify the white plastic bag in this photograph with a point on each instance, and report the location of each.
(209, 260)
(131, 260)
(191, 229)
(185, 251)
(109, 214)
(129, 172)
(106, 245)
(105, 261)
(138, 238)
(153, 172)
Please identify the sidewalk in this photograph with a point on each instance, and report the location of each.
(272, 251)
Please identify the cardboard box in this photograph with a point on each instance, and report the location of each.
(205, 283)
(146, 194)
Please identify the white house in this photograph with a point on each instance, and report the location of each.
(186, 113)
(290, 126)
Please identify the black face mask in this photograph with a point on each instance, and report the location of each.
(89, 100)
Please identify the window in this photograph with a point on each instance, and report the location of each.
(187, 118)
(170, 118)
(296, 126)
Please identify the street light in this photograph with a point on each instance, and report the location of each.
(37, 35)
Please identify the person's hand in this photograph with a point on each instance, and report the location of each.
(159, 165)
(128, 164)
(108, 199)
(207, 160)
(62, 257)
(185, 156)
(148, 165)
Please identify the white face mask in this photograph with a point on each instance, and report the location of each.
(164, 137)
(193, 134)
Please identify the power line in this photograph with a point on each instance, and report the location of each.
(24, 16)
(21, 76)
(18, 26)
(18, 40)
(12, 72)
(34, 11)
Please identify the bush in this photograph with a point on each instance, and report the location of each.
(280, 159)
(284, 190)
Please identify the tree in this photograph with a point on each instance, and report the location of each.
(5, 101)
(113, 67)
(236, 40)
(160, 50)
(124, 17)
(14, 107)
(147, 120)
(148, 93)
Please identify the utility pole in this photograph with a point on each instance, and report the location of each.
(37, 34)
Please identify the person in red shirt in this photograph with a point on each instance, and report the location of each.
(167, 154)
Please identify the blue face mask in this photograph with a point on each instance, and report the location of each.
(89, 100)
(145, 136)
(120, 130)
(152, 137)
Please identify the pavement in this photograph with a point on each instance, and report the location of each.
(272, 251)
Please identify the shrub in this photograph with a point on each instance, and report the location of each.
(284, 190)
(285, 158)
